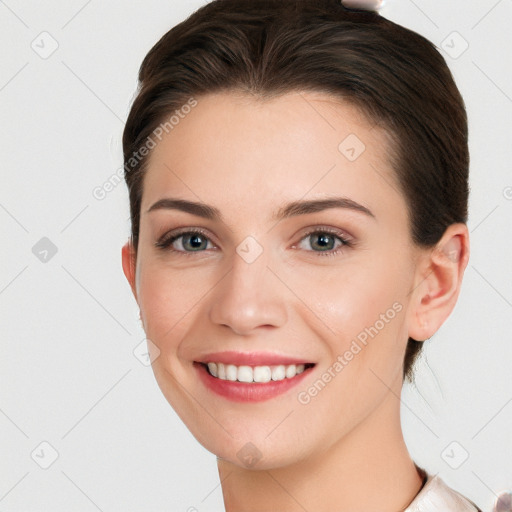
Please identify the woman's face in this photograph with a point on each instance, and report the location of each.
(265, 278)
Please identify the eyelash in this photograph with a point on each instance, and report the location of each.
(165, 242)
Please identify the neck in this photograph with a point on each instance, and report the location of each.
(368, 469)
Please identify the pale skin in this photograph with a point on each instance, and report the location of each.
(344, 450)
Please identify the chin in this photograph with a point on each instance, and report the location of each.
(258, 452)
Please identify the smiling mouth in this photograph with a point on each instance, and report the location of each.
(255, 374)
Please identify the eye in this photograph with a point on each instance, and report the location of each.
(325, 239)
(195, 239)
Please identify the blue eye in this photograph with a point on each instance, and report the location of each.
(326, 239)
(197, 241)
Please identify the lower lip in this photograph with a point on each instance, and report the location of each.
(247, 391)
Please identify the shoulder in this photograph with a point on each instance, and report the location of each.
(436, 495)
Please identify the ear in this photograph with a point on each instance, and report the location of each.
(438, 281)
(129, 265)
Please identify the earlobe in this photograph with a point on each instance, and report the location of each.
(128, 261)
(440, 278)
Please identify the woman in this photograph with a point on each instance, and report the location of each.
(298, 179)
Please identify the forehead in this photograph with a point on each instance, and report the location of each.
(235, 149)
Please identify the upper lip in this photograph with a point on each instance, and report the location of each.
(251, 358)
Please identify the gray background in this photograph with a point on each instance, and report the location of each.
(72, 371)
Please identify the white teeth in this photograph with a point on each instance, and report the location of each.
(278, 372)
(262, 374)
(254, 374)
(231, 372)
(245, 374)
(213, 368)
(291, 371)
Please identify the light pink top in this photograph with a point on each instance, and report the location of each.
(436, 496)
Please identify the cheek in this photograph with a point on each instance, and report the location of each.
(168, 299)
(355, 290)
(362, 314)
(360, 302)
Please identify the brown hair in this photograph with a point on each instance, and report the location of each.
(395, 76)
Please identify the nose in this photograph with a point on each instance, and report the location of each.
(248, 297)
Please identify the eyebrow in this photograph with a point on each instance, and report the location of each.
(293, 209)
